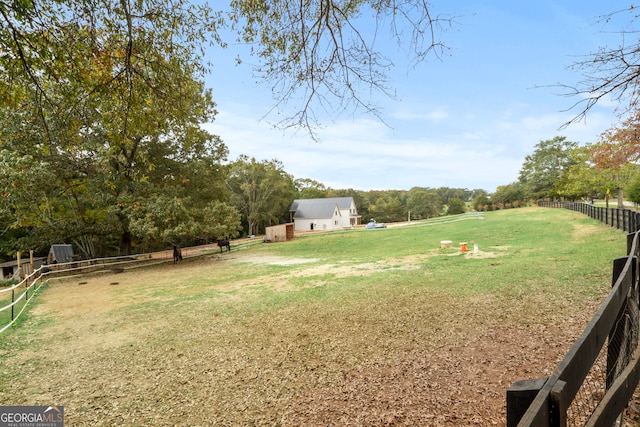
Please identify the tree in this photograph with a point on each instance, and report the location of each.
(446, 193)
(322, 48)
(610, 72)
(423, 203)
(321, 52)
(581, 179)
(107, 101)
(617, 154)
(261, 191)
(104, 102)
(456, 206)
(310, 189)
(91, 175)
(387, 208)
(510, 194)
(633, 191)
(542, 171)
(481, 201)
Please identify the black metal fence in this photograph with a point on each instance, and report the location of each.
(596, 379)
(620, 218)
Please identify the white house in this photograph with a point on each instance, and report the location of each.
(324, 214)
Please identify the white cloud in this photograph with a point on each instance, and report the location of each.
(365, 154)
(422, 112)
(466, 121)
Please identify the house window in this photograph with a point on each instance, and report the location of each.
(335, 222)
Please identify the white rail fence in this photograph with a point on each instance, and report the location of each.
(15, 299)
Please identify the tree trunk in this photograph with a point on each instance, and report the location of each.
(620, 198)
(253, 227)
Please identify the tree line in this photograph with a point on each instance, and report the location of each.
(101, 106)
(181, 202)
(559, 169)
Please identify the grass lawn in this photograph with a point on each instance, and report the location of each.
(362, 327)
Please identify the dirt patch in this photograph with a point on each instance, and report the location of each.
(462, 385)
(347, 269)
(582, 231)
(273, 260)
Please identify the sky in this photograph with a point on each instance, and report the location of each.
(464, 120)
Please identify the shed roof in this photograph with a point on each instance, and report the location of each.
(13, 263)
(61, 253)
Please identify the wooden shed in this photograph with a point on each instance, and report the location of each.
(15, 269)
(279, 233)
(60, 254)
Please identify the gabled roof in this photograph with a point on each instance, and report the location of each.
(342, 202)
(314, 208)
(61, 253)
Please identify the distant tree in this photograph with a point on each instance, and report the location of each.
(581, 179)
(309, 189)
(511, 194)
(261, 191)
(481, 201)
(387, 207)
(542, 171)
(456, 206)
(633, 191)
(423, 203)
(446, 193)
(617, 154)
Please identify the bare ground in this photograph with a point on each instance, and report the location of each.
(103, 373)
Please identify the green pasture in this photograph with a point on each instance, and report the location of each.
(7, 296)
(274, 319)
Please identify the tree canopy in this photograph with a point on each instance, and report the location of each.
(261, 191)
(543, 169)
(611, 72)
(324, 55)
(101, 106)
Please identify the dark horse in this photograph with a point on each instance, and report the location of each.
(224, 243)
(177, 254)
